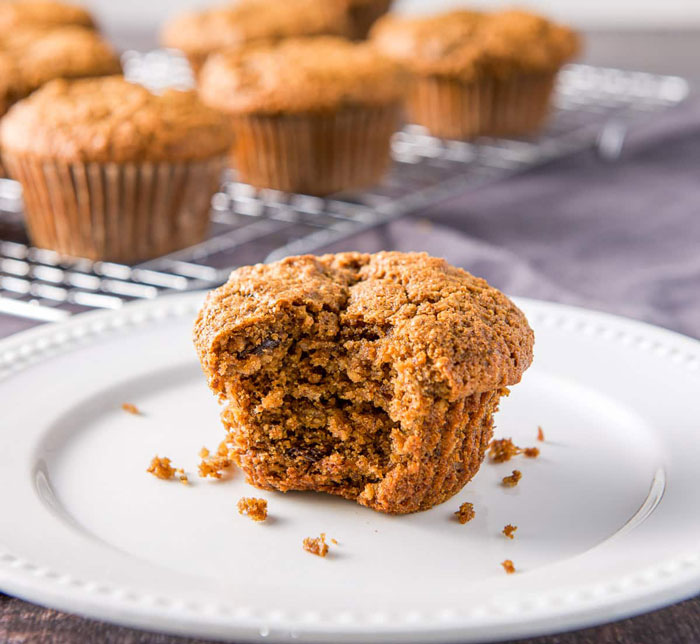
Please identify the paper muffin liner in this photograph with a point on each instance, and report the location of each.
(363, 15)
(119, 212)
(455, 109)
(315, 153)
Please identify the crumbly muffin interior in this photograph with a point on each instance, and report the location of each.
(307, 397)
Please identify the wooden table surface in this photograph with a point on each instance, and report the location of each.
(23, 622)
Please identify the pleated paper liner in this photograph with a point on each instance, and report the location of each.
(120, 212)
(454, 109)
(315, 153)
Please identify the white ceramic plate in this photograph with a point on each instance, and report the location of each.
(608, 521)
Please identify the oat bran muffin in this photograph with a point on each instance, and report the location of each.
(110, 171)
(372, 377)
(246, 22)
(14, 13)
(478, 74)
(311, 115)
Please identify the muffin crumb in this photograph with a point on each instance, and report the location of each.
(502, 450)
(254, 508)
(531, 452)
(540, 434)
(513, 479)
(213, 466)
(465, 513)
(317, 546)
(509, 531)
(184, 479)
(508, 566)
(131, 409)
(334, 542)
(161, 468)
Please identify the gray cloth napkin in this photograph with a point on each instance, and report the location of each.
(622, 237)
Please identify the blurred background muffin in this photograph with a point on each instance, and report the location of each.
(199, 33)
(111, 171)
(478, 74)
(310, 115)
(33, 54)
(14, 13)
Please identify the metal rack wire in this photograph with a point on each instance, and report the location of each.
(593, 107)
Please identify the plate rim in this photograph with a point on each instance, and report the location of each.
(661, 584)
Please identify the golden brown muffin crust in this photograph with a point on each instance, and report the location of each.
(109, 119)
(300, 75)
(199, 33)
(468, 44)
(449, 328)
(14, 13)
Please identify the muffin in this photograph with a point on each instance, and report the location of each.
(478, 74)
(32, 55)
(312, 115)
(372, 377)
(110, 171)
(200, 33)
(362, 14)
(15, 13)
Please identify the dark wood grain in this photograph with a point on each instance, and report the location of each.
(22, 622)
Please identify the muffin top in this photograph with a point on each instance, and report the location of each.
(40, 54)
(299, 75)
(252, 21)
(42, 12)
(433, 325)
(109, 119)
(468, 44)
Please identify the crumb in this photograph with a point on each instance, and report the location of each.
(540, 434)
(131, 409)
(513, 479)
(182, 476)
(256, 509)
(502, 450)
(334, 542)
(508, 566)
(317, 546)
(465, 513)
(531, 452)
(213, 465)
(509, 531)
(161, 468)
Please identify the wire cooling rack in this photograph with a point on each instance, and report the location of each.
(593, 107)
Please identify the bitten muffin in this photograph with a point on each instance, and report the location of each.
(372, 377)
(311, 115)
(14, 13)
(200, 33)
(477, 73)
(111, 171)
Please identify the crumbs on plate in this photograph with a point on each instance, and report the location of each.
(508, 566)
(254, 508)
(131, 409)
(212, 465)
(465, 513)
(513, 479)
(503, 449)
(316, 546)
(509, 531)
(540, 434)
